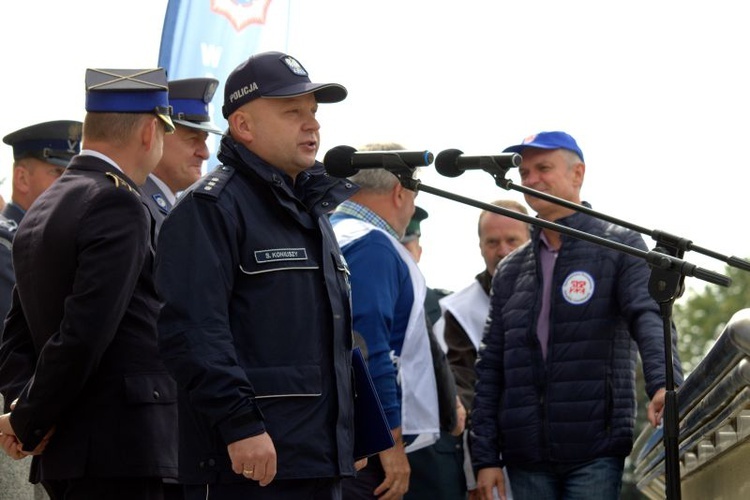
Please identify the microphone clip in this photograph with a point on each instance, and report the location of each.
(403, 172)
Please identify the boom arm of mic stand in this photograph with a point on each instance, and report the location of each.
(662, 238)
(653, 258)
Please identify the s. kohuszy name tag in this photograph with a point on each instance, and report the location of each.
(280, 254)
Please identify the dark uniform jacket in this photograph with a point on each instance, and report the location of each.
(9, 221)
(7, 278)
(578, 403)
(13, 212)
(82, 332)
(256, 325)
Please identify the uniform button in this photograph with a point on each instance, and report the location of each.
(38, 432)
(202, 464)
(348, 185)
(325, 203)
(211, 462)
(156, 394)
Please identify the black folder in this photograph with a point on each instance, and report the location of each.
(371, 431)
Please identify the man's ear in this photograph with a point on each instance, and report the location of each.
(397, 194)
(579, 170)
(21, 177)
(402, 195)
(148, 132)
(241, 126)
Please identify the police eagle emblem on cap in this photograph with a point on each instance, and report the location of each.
(294, 66)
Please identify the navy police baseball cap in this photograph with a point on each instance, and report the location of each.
(189, 99)
(129, 91)
(53, 142)
(547, 140)
(274, 74)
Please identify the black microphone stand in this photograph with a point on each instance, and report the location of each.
(666, 283)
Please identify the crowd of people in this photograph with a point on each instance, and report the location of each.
(179, 336)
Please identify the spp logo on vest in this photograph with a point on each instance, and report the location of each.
(578, 287)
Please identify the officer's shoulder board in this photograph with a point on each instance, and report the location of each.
(7, 225)
(7, 230)
(214, 182)
(119, 182)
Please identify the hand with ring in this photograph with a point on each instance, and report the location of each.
(255, 458)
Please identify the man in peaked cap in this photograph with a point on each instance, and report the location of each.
(186, 149)
(79, 352)
(256, 324)
(40, 154)
(414, 232)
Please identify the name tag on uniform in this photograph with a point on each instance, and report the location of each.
(280, 254)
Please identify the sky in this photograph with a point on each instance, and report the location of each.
(655, 93)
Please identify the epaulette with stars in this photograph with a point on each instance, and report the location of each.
(120, 182)
(212, 184)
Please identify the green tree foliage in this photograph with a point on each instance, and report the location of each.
(701, 315)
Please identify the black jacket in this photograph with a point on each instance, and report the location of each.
(256, 325)
(80, 345)
(578, 403)
(8, 229)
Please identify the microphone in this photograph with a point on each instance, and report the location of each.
(345, 161)
(452, 162)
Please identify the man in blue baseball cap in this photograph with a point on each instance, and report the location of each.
(558, 411)
(95, 403)
(184, 151)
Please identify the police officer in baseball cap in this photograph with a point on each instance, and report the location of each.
(247, 264)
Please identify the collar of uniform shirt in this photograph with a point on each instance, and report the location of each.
(354, 209)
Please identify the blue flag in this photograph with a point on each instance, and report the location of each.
(209, 38)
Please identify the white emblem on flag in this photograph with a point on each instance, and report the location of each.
(578, 287)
